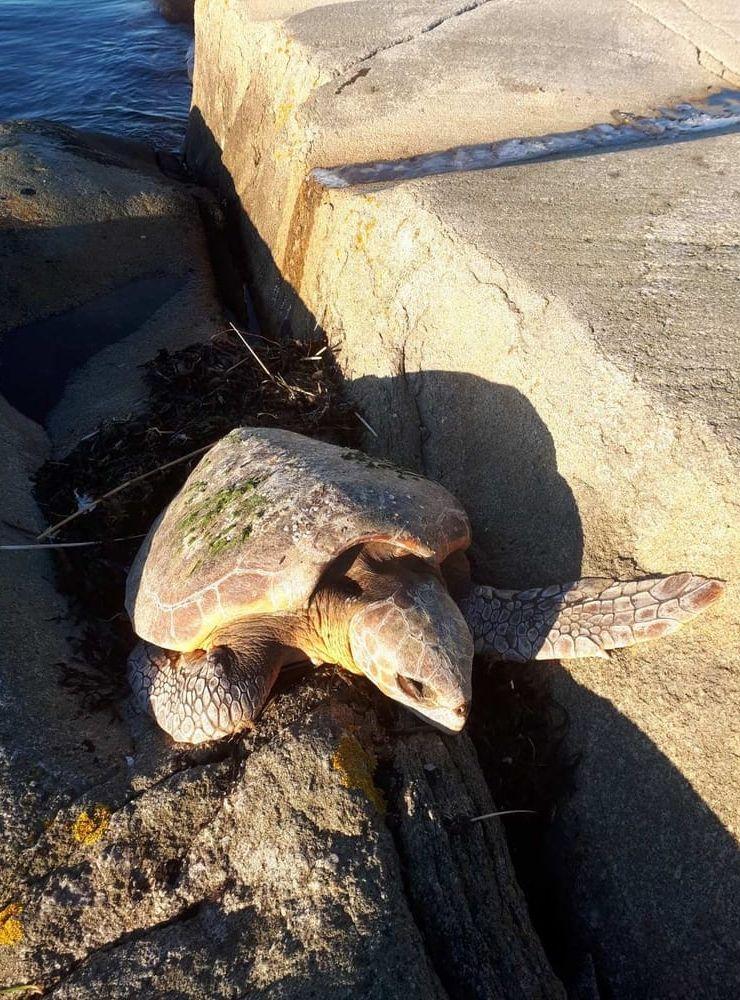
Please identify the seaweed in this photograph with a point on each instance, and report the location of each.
(196, 396)
(220, 520)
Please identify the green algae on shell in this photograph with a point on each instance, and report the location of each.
(215, 522)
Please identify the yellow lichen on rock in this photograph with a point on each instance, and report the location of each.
(356, 768)
(11, 929)
(364, 231)
(88, 828)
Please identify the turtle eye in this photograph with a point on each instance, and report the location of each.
(411, 687)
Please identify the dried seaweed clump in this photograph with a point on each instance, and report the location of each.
(196, 396)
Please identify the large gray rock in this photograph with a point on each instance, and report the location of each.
(282, 870)
(177, 11)
(96, 246)
(104, 262)
(554, 342)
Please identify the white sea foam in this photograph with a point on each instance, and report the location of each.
(718, 114)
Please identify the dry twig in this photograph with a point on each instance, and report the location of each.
(66, 545)
(52, 530)
(503, 812)
(252, 351)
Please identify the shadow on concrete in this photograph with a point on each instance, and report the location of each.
(645, 874)
(526, 526)
(651, 874)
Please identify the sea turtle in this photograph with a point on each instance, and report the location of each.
(280, 548)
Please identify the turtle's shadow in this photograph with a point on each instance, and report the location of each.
(635, 854)
(487, 445)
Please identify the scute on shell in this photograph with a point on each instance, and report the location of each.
(258, 521)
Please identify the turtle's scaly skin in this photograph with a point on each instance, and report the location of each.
(583, 618)
(202, 696)
(423, 629)
(259, 520)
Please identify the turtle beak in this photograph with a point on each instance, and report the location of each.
(424, 702)
(447, 720)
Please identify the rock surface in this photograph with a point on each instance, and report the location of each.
(89, 228)
(328, 854)
(105, 262)
(276, 871)
(554, 342)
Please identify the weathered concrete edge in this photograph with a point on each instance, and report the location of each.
(356, 262)
(719, 114)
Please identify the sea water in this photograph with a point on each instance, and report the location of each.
(105, 65)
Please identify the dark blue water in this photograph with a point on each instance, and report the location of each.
(105, 65)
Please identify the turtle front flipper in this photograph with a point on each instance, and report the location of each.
(204, 695)
(583, 618)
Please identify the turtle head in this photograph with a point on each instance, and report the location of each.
(413, 643)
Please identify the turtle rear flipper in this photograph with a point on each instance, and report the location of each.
(583, 618)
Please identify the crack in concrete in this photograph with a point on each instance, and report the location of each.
(413, 397)
(719, 69)
(357, 76)
(726, 71)
(509, 302)
(705, 20)
(432, 26)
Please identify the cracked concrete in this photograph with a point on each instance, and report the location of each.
(500, 71)
(556, 342)
(715, 37)
(425, 29)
